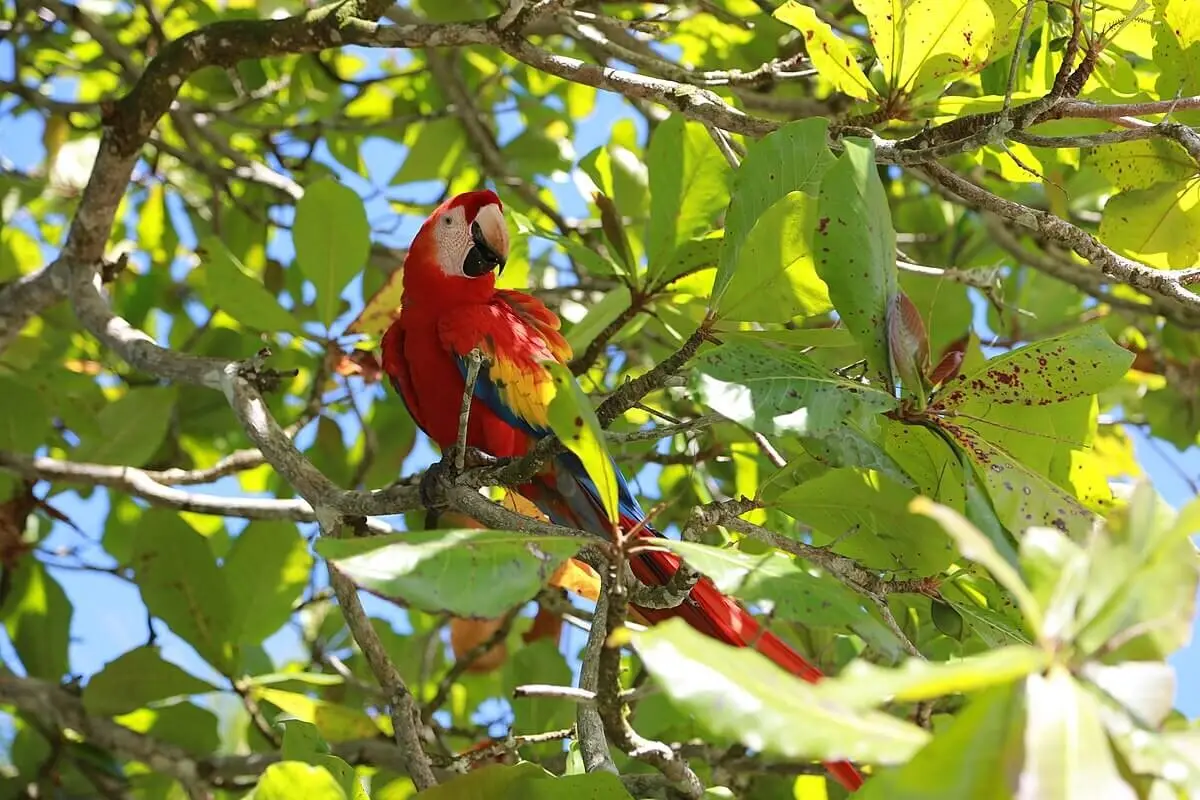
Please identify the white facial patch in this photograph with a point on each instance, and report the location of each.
(453, 237)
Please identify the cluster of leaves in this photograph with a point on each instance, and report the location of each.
(261, 200)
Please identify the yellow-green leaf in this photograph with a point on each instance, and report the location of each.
(827, 51)
(1159, 226)
(574, 422)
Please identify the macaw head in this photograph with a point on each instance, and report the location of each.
(459, 250)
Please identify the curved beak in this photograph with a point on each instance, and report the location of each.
(490, 236)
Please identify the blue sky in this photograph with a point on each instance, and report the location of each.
(108, 617)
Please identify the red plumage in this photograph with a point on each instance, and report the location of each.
(445, 313)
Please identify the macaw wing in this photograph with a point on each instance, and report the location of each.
(514, 384)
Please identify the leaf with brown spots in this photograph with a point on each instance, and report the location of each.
(1081, 362)
(1021, 497)
(829, 53)
(855, 251)
(791, 159)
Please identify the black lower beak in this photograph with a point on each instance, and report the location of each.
(481, 258)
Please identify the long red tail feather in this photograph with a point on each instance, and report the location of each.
(718, 616)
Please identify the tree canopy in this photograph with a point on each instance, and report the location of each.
(866, 298)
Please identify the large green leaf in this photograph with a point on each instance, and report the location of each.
(1080, 362)
(1143, 162)
(776, 278)
(829, 53)
(538, 662)
(337, 723)
(785, 590)
(790, 159)
(332, 238)
(302, 741)
(285, 780)
(470, 573)
(867, 516)
(37, 616)
(230, 286)
(1141, 580)
(968, 758)
(738, 692)
(131, 429)
(923, 45)
(776, 390)
(526, 781)
(266, 570)
(689, 185)
(866, 685)
(1067, 753)
(855, 248)
(136, 678)
(1159, 226)
(174, 568)
(433, 153)
(574, 421)
(1020, 496)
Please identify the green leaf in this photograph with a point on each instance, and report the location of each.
(599, 316)
(435, 152)
(37, 616)
(923, 45)
(785, 590)
(538, 662)
(470, 573)
(866, 685)
(266, 569)
(286, 780)
(970, 757)
(1145, 689)
(574, 421)
(1067, 753)
(868, 517)
(1142, 163)
(776, 278)
(302, 742)
(791, 159)
(180, 583)
(828, 52)
(689, 185)
(136, 678)
(333, 239)
(336, 723)
(24, 423)
(1141, 580)
(976, 547)
(526, 781)
(241, 295)
(185, 724)
(131, 429)
(856, 251)
(1083, 361)
(738, 692)
(619, 174)
(776, 390)
(1159, 226)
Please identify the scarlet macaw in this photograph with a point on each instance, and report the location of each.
(450, 306)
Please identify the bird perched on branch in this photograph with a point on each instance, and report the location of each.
(450, 308)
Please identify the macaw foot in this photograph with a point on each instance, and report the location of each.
(433, 485)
